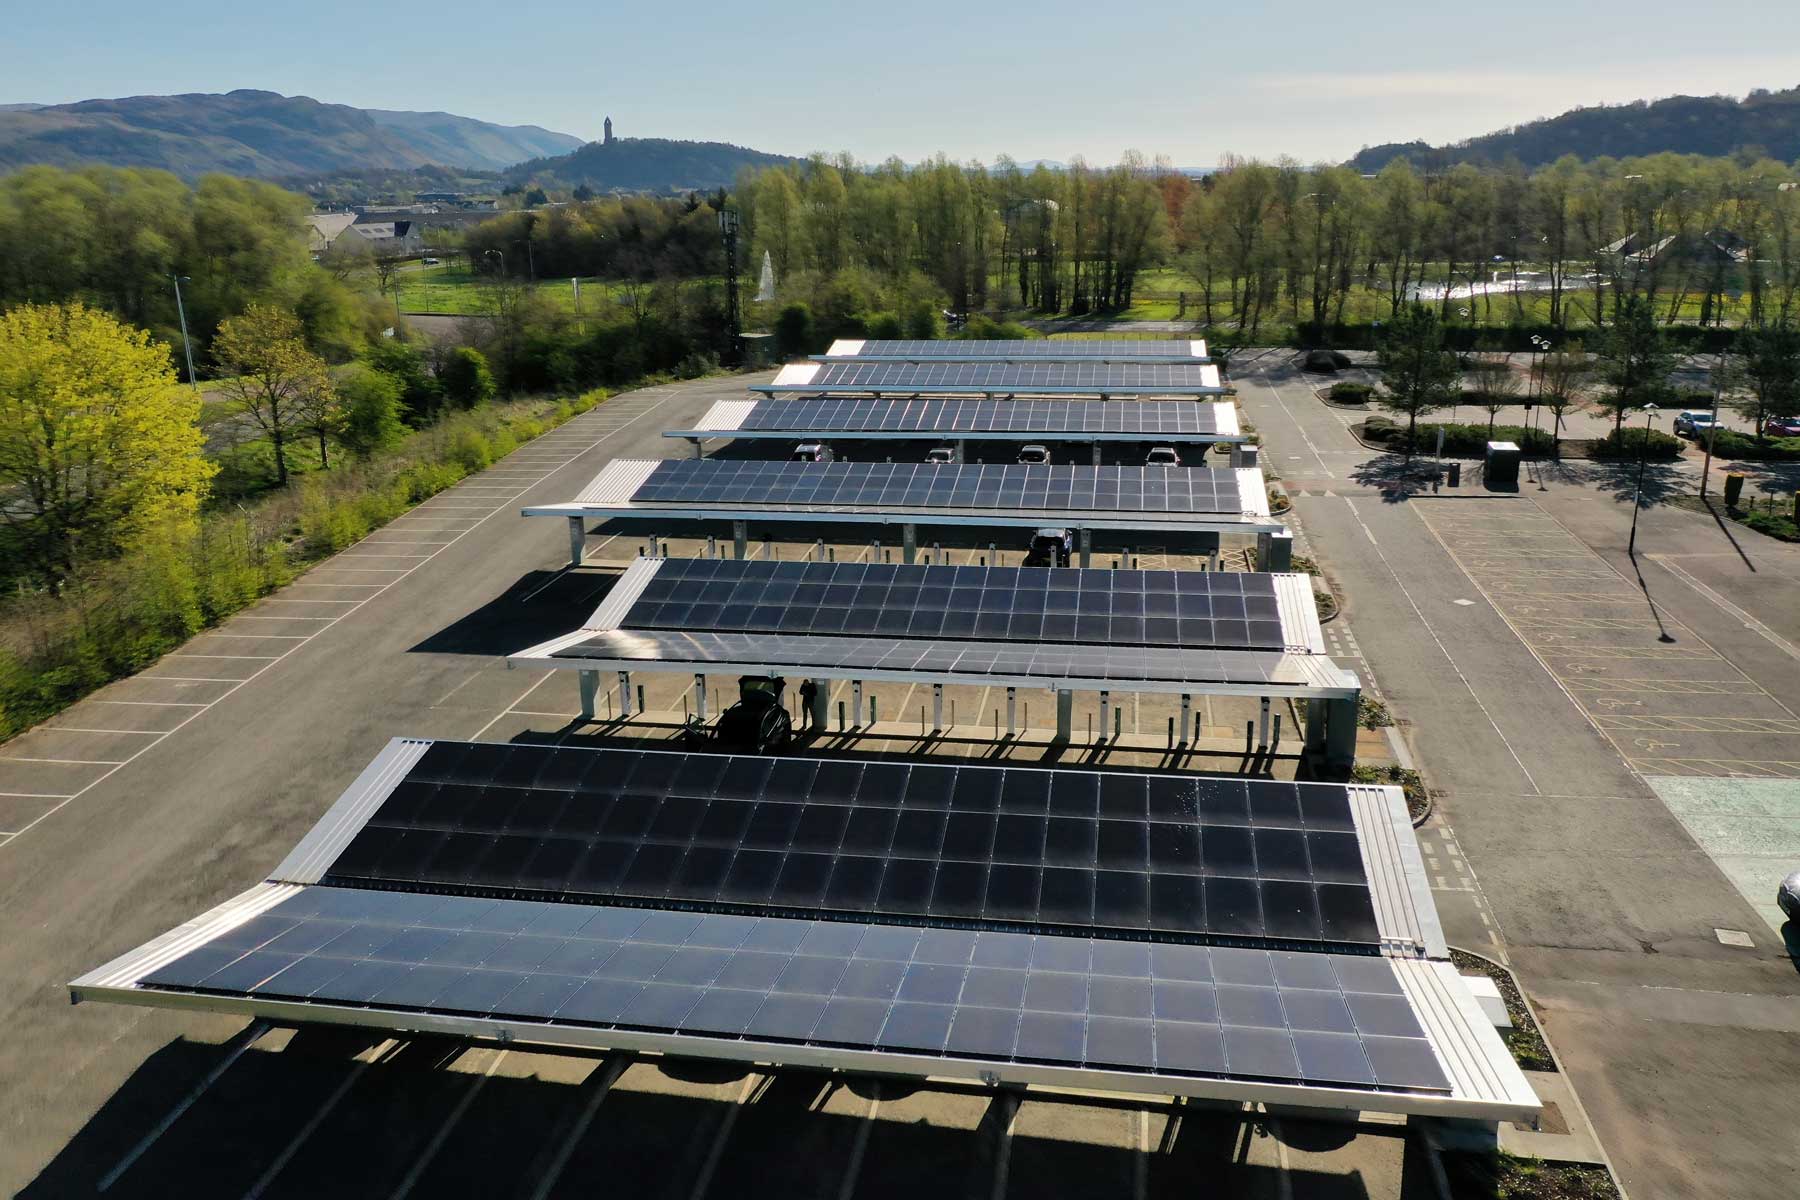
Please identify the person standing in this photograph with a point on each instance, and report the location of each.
(809, 691)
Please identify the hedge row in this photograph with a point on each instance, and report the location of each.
(1629, 443)
(1460, 441)
(1729, 443)
(1683, 339)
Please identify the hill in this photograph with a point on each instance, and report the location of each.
(644, 165)
(259, 134)
(1710, 125)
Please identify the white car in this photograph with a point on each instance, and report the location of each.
(941, 456)
(1694, 422)
(1162, 456)
(1034, 454)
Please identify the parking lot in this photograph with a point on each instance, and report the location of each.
(168, 792)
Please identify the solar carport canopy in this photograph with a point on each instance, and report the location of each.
(1128, 350)
(1084, 378)
(883, 917)
(1217, 633)
(1029, 495)
(977, 420)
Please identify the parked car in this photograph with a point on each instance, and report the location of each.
(1325, 362)
(1034, 454)
(1787, 896)
(941, 455)
(429, 262)
(1693, 422)
(758, 723)
(1782, 427)
(1162, 456)
(1050, 548)
(814, 452)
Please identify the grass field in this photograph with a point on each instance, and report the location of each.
(459, 292)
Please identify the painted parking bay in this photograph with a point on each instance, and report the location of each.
(1749, 827)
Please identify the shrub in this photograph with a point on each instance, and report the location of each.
(1629, 443)
(1729, 443)
(794, 330)
(1351, 393)
(466, 379)
(1773, 524)
(420, 394)
(886, 326)
(1460, 441)
(371, 406)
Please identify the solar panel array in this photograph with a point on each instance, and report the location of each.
(1097, 348)
(1174, 418)
(1011, 377)
(1079, 851)
(1321, 1019)
(1030, 487)
(1194, 609)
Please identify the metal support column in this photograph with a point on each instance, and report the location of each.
(589, 682)
(1187, 720)
(821, 702)
(1105, 712)
(962, 451)
(698, 452)
(937, 707)
(624, 693)
(1340, 733)
(1262, 725)
(740, 539)
(712, 546)
(1065, 715)
(909, 542)
(1096, 454)
(856, 704)
(1275, 551)
(1262, 551)
(1087, 547)
(700, 697)
(1012, 706)
(577, 541)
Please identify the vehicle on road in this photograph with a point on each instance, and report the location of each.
(1034, 454)
(1162, 456)
(758, 723)
(1787, 896)
(1050, 548)
(428, 262)
(943, 455)
(1782, 427)
(1693, 422)
(814, 452)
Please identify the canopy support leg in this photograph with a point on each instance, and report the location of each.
(909, 542)
(577, 541)
(589, 682)
(740, 539)
(1065, 715)
(624, 693)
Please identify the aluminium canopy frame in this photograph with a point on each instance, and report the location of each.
(1177, 351)
(1117, 380)
(610, 495)
(959, 421)
(1484, 1083)
(1300, 671)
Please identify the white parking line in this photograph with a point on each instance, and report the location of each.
(68, 762)
(146, 704)
(35, 796)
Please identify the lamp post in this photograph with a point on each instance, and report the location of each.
(1638, 492)
(187, 347)
(1534, 393)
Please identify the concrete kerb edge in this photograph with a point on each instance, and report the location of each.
(1575, 1096)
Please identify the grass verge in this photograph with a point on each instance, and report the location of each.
(1524, 1039)
(1497, 1175)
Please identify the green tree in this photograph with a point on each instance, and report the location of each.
(794, 330)
(1496, 384)
(1418, 375)
(1769, 374)
(271, 378)
(1560, 376)
(370, 405)
(465, 378)
(420, 393)
(1634, 360)
(97, 441)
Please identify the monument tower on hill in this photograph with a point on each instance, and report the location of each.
(608, 140)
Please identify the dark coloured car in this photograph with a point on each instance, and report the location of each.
(1325, 362)
(758, 723)
(1782, 427)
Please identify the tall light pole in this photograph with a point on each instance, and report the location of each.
(1638, 492)
(734, 314)
(187, 346)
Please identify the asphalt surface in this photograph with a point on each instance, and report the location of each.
(1512, 632)
(169, 792)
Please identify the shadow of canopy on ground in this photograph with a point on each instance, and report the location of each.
(308, 1120)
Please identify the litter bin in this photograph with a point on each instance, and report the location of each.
(1734, 489)
(1502, 464)
(1452, 474)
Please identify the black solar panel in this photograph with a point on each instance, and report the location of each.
(1018, 487)
(1189, 609)
(947, 418)
(995, 996)
(1069, 850)
(1171, 350)
(1094, 377)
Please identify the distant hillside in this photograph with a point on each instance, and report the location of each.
(644, 165)
(258, 133)
(1710, 125)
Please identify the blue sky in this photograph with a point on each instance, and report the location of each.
(1315, 79)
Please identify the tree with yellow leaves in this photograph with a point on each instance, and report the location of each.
(97, 440)
(273, 379)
